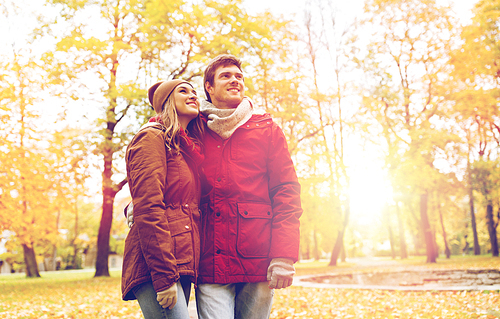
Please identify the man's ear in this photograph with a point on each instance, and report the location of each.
(208, 87)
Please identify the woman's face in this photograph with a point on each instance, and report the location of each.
(186, 103)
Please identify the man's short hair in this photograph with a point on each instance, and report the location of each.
(220, 60)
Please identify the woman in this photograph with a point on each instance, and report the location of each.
(162, 248)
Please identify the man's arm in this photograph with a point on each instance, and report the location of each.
(284, 191)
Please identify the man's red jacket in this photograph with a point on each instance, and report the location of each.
(250, 213)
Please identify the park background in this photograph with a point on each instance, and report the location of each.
(390, 109)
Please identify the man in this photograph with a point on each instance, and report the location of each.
(250, 232)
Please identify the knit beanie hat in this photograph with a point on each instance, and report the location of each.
(159, 93)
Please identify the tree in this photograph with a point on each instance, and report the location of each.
(403, 251)
(439, 208)
(477, 74)
(387, 221)
(406, 61)
(477, 249)
(34, 187)
(25, 167)
(486, 179)
(69, 152)
(325, 38)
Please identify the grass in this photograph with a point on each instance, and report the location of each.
(76, 294)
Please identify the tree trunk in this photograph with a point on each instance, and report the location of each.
(402, 241)
(74, 262)
(101, 266)
(477, 249)
(337, 248)
(30, 260)
(342, 253)
(315, 247)
(391, 240)
(418, 236)
(339, 242)
(415, 233)
(109, 189)
(492, 229)
(389, 229)
(54, 251)
(307, 245)
(436, 247)
(446, 247)
(426, 229)
(53, 263)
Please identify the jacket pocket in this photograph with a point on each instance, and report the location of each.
(254, 230)
(180, 230)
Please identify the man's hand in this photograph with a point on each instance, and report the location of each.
(280, 273)
(168, 298)
(130, 215)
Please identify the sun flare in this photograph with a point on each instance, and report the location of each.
(369, 188)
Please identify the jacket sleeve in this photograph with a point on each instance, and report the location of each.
(147, 170)
(284, 191)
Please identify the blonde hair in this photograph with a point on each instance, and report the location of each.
(170, 120)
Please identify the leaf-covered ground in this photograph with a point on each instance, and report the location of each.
(77, 295)
(349, 303)
(64, 295)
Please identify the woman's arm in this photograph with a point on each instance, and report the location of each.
(147, 170)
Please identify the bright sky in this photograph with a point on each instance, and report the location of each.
(296, 7)
(349, 8)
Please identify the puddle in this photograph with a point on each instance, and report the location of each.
(482, 279)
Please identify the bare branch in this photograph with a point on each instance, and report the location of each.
(119, 186)
(123, 113)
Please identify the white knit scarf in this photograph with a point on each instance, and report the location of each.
(225, 121)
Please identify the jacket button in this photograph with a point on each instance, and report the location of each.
(218, 146)
(218, 251)
(269, 213)
(245, 212)
(217, 214)
(187, 227)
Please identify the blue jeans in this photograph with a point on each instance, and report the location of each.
(151, 309)
(234, 301)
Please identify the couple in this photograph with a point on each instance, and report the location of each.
(216, 202)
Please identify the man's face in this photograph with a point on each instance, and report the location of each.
(228, 89)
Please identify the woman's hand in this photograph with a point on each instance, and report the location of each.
(168, 298)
